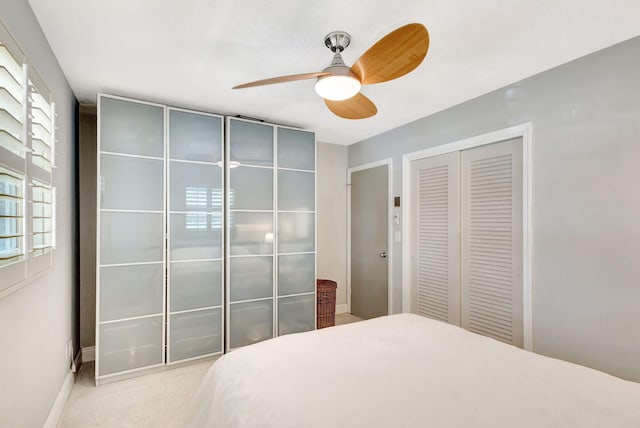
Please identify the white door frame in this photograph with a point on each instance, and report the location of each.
(523, 131)
(389, 163)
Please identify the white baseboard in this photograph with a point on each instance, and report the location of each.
(88, 354)
(58, 406)
(342, 308)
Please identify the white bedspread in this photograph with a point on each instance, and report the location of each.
(406, 371)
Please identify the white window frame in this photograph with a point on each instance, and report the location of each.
(30, 266)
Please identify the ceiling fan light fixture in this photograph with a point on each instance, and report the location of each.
(337, 87)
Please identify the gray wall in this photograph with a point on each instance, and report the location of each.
(88, 136)
(36, 321)
(332, 216)
(586, 228)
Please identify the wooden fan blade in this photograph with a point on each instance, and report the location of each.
(281, 79)
(395, 55)
(356, 107)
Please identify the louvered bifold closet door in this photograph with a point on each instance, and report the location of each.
(491, 219)
(436, 234)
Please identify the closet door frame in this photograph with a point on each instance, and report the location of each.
(156, 367)
(168, 261)
(276, 252)
(523, 131)
(227, 226)
(388, 162)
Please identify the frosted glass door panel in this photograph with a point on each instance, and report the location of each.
(296, 314)
(194, 334)
(251, 278)
(296, 191)
(296, 149)
(131, 183)
(195, 187)
(195, 236)
(296, 232)
(251, 233)
(250, 322)
(132, 344)
(195, 136)
(251, 188)
(251, 143)
(131, 291)
(296, 274)
(196, 285)
(131, 127)
(131, 237)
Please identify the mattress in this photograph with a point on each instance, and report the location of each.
(406, 371)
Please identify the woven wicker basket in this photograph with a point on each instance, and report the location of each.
(326, 303)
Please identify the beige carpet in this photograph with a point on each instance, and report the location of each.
(154, 400)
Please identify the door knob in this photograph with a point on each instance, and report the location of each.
(383, 254)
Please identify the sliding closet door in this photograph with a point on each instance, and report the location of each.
(491, 194)
(296, 243)
(436, 237)
(250, 232)
(131, 233)
(196, 225)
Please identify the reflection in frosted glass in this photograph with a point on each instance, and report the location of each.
(250, 278)
(251, 143)
(251, 233)
(296, 274)
(296, 191)
(194, 136)
(252, 188)
(296, 314)
(194, 334)
(132, 344)
(131, 127)
(131, 291)
(195, 285)
(131, 237)
(193, 236)
(195, 187)
(131, 183)
(296, 149)
(296, 232)
(250, 322)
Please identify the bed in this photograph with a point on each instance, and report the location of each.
(406, 371)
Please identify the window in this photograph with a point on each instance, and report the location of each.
(11, 217)
(42, 200)
(13, 169)
(41, 149)
(27, 159)
(11, 103)
(41, 121)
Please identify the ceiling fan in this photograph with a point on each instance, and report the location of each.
(393, 56)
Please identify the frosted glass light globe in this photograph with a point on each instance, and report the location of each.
(337, 87)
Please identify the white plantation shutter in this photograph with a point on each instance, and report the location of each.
(12, 167)
(41, 141)
(491, 244)
(437, 223)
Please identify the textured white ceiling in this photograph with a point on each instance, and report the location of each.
(190, 53)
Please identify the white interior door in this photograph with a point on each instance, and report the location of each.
(491, 194)
(436, 237)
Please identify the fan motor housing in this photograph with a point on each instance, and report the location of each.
(337, 41)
